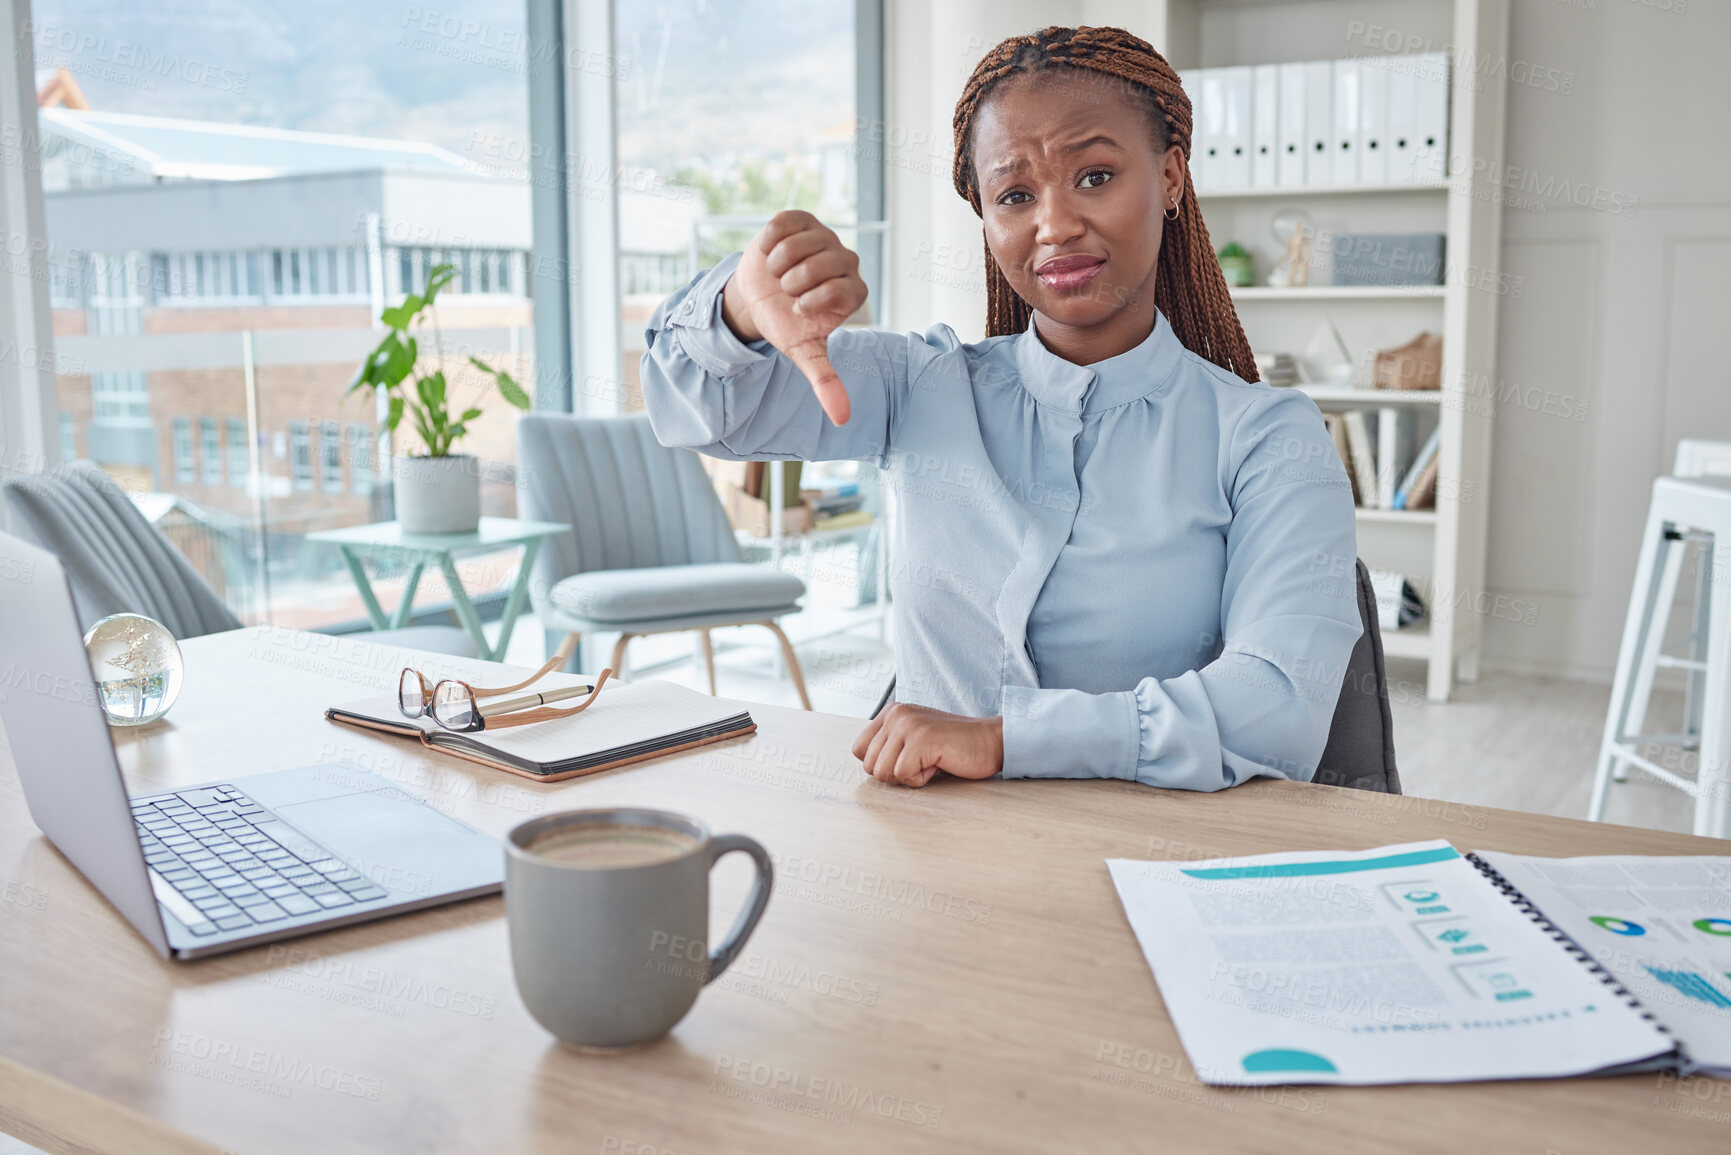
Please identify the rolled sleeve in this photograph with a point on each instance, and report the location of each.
(694, 320)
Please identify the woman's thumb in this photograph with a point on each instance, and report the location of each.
(812, 360)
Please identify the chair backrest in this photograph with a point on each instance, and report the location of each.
(1697, 458)
(118, 562)
(1360, 750)
(631, 502)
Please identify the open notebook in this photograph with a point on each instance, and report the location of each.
(625, 724)
(1415, 963)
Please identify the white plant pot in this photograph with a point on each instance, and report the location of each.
(438, 494)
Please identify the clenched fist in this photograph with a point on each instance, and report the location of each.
(795, 284)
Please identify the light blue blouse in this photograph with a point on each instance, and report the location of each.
(1145, 565)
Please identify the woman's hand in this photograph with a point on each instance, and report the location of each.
(796, 283)
(910, 744)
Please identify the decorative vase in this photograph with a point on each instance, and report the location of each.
(438, 494)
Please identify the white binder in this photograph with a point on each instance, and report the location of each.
(1432, 115)
(1345, 135)
(1373, 72)
(1265, 125)
(1289, 137)
(1402, 134)
(1235, 149)
(1208, 124)
(1318, 122)
(1191, 81)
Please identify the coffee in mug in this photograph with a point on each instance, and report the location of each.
(608, 912)
(611, 844)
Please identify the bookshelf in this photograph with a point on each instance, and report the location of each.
(1442, 550)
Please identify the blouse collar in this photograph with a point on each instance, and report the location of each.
(1089, 389)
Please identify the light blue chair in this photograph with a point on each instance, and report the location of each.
(650, 550)
(119, 563)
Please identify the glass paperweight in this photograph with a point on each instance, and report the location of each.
(137, 665)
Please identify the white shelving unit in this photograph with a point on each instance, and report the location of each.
(1442, 550)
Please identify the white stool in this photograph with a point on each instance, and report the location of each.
(1682, 509)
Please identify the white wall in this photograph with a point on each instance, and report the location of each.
(1628, 312)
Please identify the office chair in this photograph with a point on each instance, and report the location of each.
(119, 563)
(650, 550)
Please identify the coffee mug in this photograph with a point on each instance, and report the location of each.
(608, 912)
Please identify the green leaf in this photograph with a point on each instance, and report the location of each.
(401, 316)
(437, 278)
(481, 365)
(398, 362)
(471, 414)
(512, 392)
(396, 414)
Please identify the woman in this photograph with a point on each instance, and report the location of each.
(1115, 556)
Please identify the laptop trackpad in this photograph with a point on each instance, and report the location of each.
(399, 842)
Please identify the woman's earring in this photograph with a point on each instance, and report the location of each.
(1172, 213)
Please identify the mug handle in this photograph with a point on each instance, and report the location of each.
(721, 844)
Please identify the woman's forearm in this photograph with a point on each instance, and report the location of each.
(737, 316)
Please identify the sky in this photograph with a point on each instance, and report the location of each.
(695, 78)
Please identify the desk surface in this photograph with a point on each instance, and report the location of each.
(938, 970)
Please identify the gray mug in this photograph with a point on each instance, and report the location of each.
(611, 956)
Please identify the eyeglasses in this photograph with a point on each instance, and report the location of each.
(456, 705)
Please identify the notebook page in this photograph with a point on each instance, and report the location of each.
(621, 716)
(1661, 925)
(1396, 965)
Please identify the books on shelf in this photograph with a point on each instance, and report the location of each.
(1362, 459)
(1369, 120)
(1424, 460)
(1385, 471)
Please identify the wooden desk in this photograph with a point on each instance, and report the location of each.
(939, 970)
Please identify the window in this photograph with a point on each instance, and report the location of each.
(360, 459)
(120, 398)
(184, 468)
(225, 208)
(331, 456)
(210, 450)
(327, 273)
(715, 135)
(237, 451)
(203, 278)
(68, 438)
(492, 271)
(300, 455)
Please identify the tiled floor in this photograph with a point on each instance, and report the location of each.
(1518, 743)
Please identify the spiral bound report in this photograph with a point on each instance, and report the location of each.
(1402, 964)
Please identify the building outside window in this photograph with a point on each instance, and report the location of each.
(210, 450)
(184, 468)
(331, 456)
(68, 437)
(237, 452)
(360, 458)
(300, 455)
(186, 278)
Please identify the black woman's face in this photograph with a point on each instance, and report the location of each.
(1072, 186)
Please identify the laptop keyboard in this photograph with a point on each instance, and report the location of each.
(219, 861)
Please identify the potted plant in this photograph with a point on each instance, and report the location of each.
(439, 492)
(1236, 264)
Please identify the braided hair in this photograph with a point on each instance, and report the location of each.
(1188, 287)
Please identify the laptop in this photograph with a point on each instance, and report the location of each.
(206, 869)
